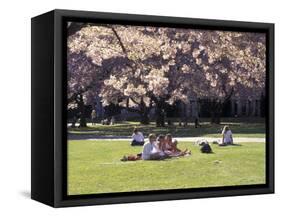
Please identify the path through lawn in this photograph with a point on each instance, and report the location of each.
(95, 167)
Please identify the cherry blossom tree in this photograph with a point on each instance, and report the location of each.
(230, 64)
(131, 55)
(144, 67)
(82, 85)
(149, 79)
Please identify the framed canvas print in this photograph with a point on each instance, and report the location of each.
(134, 108)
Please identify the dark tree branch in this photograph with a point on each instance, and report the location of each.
(134, 101)
(119, 40)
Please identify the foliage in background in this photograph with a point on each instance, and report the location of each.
(143, 67)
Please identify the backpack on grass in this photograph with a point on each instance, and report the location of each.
(206, 148)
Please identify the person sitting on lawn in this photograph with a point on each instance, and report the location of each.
(161, 143)
(151, 150)
(227, 138)
(137, 137)
(170, 144)
(171, 147)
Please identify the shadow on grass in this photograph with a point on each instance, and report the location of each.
(230, 145)
(125, 130)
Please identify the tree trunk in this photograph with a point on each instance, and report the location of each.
(216, 107)
(73, 122)
(215, 119)
(83, 122)
(144, 112)
(160, 113)
(216, 111)
(144, 118)
(82, 111)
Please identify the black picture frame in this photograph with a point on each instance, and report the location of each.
(48, 147)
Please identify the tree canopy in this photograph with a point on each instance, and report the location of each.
(141, 67)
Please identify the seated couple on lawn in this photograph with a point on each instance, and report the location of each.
(158, 149)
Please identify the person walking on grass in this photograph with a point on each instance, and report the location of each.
(93, 116)
(137, 137)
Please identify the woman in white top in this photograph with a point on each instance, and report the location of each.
(227, 136)
(137, 138)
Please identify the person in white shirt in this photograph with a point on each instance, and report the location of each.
(227, 138)
(137, 138)
(151, 151)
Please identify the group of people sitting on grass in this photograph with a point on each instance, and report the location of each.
(157, 148)
(163, 147)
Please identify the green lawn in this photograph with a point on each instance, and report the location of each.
(95, 167)
(239, 127)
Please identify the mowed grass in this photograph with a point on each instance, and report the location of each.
(95, 167)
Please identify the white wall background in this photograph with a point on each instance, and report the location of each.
(15, 106)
